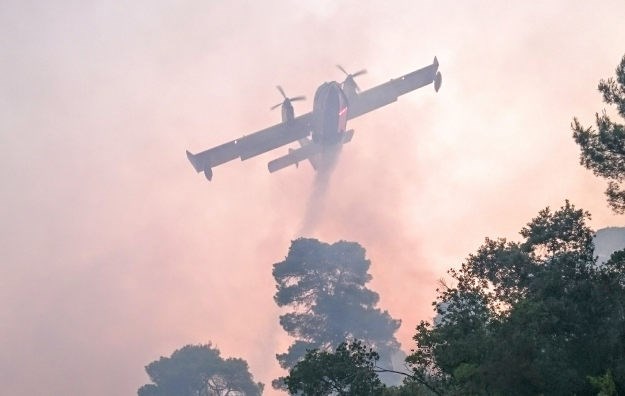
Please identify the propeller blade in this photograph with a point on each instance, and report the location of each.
(281, 91)
(358, 73)
(350, 77)
(343, 70)
(286, 98)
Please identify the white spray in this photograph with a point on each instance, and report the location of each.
(316, 201)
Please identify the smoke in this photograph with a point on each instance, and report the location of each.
(315, 207)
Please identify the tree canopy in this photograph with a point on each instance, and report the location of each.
(603, 150)
(349, 370)
(536, 317)
(325, 288)
(352, 369)
(199, 370)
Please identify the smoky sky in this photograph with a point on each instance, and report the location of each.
(115, 252)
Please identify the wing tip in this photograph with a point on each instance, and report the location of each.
(438, 78)
(438, 81)
(199, 166)
(194, 161)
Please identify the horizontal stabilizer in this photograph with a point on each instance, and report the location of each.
(295, 156)
(308, 151)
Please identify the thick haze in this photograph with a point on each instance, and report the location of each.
(115, 252)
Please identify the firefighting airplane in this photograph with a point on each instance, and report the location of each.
(321, 129)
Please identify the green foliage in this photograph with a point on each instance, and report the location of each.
(604, 384)
(350, 370)
(325, 288)
(199, 370)
(536, 317)
(409, 388)
(603, 150)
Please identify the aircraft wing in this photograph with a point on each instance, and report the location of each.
(388, 92)
(252, 145)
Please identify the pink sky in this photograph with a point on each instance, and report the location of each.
(116, 252)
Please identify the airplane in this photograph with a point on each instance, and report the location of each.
(322, 129)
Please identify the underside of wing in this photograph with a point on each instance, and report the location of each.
(274, 137)
(215, 156)
(388, 92)
(251, 145)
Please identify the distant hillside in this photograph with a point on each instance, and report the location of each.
(608, 240)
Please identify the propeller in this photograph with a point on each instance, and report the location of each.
(350, 77)
(286, 98)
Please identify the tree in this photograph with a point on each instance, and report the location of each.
(603, 150)
(199, 370)
(350, 370)
(325, 287)
(410, 387)
(537, 317)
